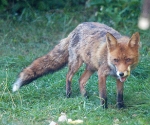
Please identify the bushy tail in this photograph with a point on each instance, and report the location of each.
(53, 61)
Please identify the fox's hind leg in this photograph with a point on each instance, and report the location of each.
(83, 79)
(73, 68)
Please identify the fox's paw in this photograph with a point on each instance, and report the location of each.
(68, 94)
(86, 95)
(120, 105)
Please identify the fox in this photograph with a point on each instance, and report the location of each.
(101, 48)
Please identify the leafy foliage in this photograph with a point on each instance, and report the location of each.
(3, 4)
(17, 6)
(115, 12)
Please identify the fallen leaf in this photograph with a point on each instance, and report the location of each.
(53, 123)
(78, 121)
(62, 118)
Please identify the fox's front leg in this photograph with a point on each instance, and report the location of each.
(85, 76)
(120, 103)
(102, 88)
(73, 67)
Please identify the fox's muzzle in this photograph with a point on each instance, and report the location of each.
(123, 75)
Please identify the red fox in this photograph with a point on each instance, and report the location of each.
(100, 47)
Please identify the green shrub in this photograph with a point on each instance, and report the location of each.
(17, 6)
(115, 12)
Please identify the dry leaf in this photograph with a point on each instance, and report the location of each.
(53, 123)
(62, 118)
(70, 121)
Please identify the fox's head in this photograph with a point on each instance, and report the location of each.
(123, 54)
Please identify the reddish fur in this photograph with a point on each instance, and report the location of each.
(89, 43)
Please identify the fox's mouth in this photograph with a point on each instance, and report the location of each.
(122, 79)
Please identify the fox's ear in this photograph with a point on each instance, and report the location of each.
(111, 41)
(135, 40)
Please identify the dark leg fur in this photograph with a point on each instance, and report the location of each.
(68, 89)
(120, 103)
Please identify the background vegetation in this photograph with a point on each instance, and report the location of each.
(31, 28)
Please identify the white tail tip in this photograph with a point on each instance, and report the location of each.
(16, 85)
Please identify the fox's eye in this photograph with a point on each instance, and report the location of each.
(116, 60)
(128, 60)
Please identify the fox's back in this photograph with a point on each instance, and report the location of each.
(88, 40)
(90, 34)
(92, 30)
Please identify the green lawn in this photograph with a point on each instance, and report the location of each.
(43, 101)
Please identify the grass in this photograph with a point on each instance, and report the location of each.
(44, 99)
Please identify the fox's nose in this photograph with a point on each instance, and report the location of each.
(121, 74)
